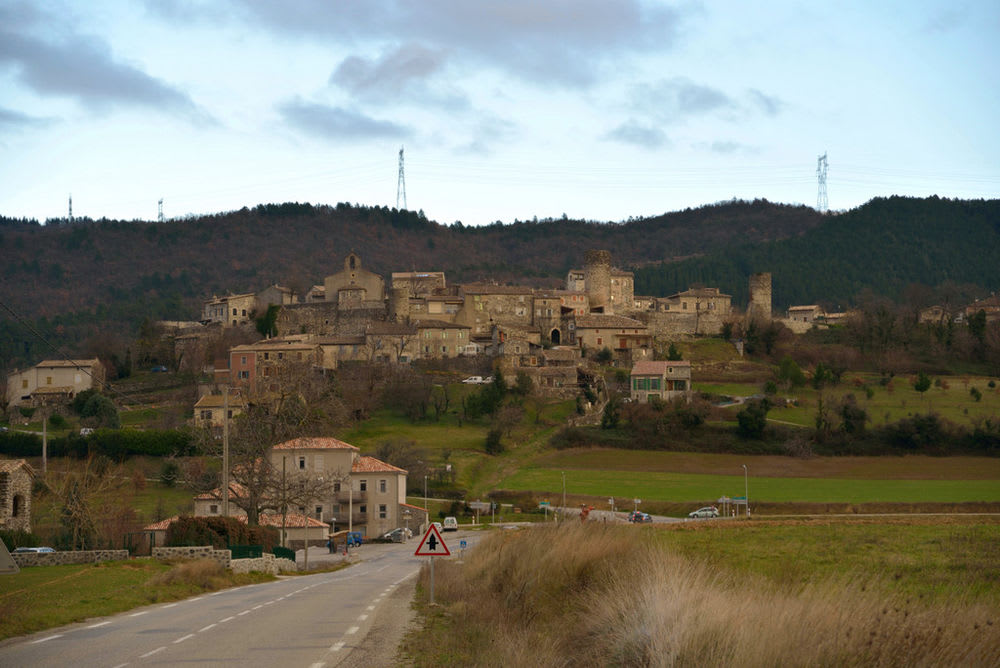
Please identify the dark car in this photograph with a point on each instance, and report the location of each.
(159, 369)
(639, 517)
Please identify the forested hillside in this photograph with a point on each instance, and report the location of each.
(884, 246)
(87, 284)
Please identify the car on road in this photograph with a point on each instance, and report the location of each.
(450, 524)
(474, 380)
(707, 511)
(354, 538)
(396, 535)
(639, 517)
(35, 550)
(437, 525)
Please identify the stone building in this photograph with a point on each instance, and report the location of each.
(759, 307)
(419, 283)
(616, 332)
(16, 478)
(230, 310)
(53, 381)
(355, 286)
(608, 290)
(661, 380)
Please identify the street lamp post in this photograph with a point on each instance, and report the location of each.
(425, 497)
(564, 496)
(746, 489)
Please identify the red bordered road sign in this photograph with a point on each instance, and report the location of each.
(432, 545)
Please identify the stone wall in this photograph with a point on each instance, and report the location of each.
(267, 563)
(15, 497)
(597, 279)
(327, 319)
(224, 557)
(669, 325)
(23, 559)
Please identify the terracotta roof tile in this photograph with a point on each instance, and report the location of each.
(315, 443)
(655, 367)
(372, 465)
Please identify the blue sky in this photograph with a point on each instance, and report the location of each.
(599, 110)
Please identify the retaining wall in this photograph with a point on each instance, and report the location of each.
(224, 557)
(265, 564)
(23, 559)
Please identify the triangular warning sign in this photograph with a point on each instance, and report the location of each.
(431, 545)
(7, 565)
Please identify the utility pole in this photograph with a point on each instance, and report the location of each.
(225, 450)
(746, 489)
(401, 183)
(45, 441)
(564, 495)
(821, 202)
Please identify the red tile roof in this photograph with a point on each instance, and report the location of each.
(315, 443)
(656, 368)
(372, 465)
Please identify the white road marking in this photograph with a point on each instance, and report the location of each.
(147, 654)
(169, 606)
(351, 631)
(337, 647)
(207, 628)
(370, 608)
(257, 607)
(121, 665)
(35, 642)
(362, 618)
(227, 619)
(317, 665)
(192, 600)
(245, 612)
(139, 614)
(183, 638)
(94, 626)
(216, 593)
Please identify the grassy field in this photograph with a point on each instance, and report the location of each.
(47, 596)
(760, 594)
(937, 558)
(678, 487)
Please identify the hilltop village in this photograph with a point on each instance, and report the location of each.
(356, 315)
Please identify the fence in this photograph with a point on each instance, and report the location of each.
(247, 551)
(283, 553)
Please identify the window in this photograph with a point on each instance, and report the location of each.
(244, 313)
(48, 380)
(234, 311)
(230, 414)
(654, 383)
(364, 485)
(336, 487)
(213, 509)
(599, 340)
(267, 356)
(243, 359)
(680, 385)
(206, 415)
(281, 356)
(24, 383)
(244, 374)
(381, 486)
(427, 333)
(444, 349)
(381, 511)
(461, 335)
(363, 509)
(302, 462)
(319, 512)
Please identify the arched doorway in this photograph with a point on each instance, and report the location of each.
(555, 337)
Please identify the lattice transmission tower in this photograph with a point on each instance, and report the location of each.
(821, 202)
(159, 213)
(401, 183)
(71, 207)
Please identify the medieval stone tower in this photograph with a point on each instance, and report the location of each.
(399, 304)
(597, 280)
(760, 297)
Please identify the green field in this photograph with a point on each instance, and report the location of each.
(681, 487)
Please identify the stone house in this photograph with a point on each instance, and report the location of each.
(16, 478)
(487, 305)
(392, 342)
(335, 350)
(210, 410)
(440, 339)
(418, 283)
(597, 331)
(230, 310)
(693, 300)
(663, 380)
(809, 313)
(274, 295)
(251, 365)
(298, 528)
(53, 381)
(989, 306)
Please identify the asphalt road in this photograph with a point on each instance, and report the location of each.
(313, 621)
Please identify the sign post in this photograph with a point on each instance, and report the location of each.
(432, 545)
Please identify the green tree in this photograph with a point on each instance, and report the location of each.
(790, 373)
(922, 383)
(99, 411)
(673, 355)
(494, 444)
(612, 413)
(523, 385)
(752, 420)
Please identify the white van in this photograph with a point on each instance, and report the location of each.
(450, 524)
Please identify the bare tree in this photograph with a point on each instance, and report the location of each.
(89, 500)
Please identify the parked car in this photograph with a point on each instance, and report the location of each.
(86, 431)
(450, 524)
(354, 539)
(707, 511)
(639, 517)
(35, 550)
(159, 369)
(474, 380)
(396, 535)
(437, 525)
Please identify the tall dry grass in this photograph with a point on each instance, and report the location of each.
(206, 574)
(586, 595)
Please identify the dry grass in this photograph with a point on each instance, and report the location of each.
(205, 574)
(585, 595)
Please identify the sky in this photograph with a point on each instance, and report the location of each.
(504, 110)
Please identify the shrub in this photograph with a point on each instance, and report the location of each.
(170, 472)
(604, 355)
(57, 421)
(753, 419)
(494, 446)
(976, 394)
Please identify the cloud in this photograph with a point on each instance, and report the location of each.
(673, 99)
(401, 74)
(15, 119)
(729, 147)
(769, 104)
(644, 136)
(565, 42)
(946, 20)
(488, 132)
(338, 123)
(81, 68)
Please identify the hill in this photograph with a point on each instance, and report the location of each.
(79, 283)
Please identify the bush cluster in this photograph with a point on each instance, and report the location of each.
(219, 532)
(112, 443)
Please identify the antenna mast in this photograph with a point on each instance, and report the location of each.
(71, 207)
(821, 202)
(401, 183)
(159, 215)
